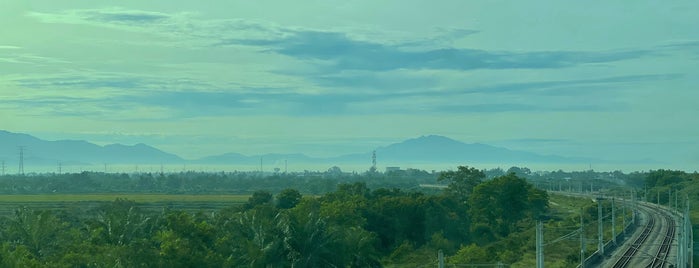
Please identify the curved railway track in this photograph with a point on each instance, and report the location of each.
(666, 223)
(636, 245)
(661, 255)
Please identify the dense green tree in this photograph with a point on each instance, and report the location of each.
(17, 256)
(521, 172)
(261, 238)
(396, 219)
(462, 181)
(288, 198)
(119, 223)
(448, 216)
(471, 254)
(358, 248)
(40, 232)
(663, 177)
(187, 242)
(259, 198)
(351, 226)
(312, 243)
(503, 201)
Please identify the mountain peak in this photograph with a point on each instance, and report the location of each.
(434, 138)
(48, 152)
(430, 141)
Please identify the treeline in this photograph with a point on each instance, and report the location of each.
(306, 182)
(474, 220)
(205, 182)
(667, 184)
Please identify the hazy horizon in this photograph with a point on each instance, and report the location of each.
(358, 168)
(614, 81)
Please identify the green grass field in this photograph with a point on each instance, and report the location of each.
(140, 198)
(85, 202)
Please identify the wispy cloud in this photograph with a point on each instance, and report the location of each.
(345, 53)
(115, 94)
(332, 50)
(349, 73)
(12, 56)
(82, 82)
(183, 28)
(107, 17)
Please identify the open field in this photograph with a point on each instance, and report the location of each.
(83, 202)
(139, 198)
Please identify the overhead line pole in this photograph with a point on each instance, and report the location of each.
(600, 235)
(613, 223)
(582, 240)
(623, 216)
(539, 244)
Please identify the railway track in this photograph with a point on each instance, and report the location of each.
(661, 255)
(636, 245)
(666, 224)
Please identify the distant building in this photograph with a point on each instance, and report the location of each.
(392, 169)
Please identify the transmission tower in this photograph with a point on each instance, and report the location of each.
(3, 167)
(21, 160)
(373, 161)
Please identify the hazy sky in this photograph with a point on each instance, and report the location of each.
(606, 79)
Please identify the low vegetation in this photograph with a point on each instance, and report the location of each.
(482, 217)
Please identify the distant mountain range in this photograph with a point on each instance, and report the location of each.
(421, 150)
(42, 152)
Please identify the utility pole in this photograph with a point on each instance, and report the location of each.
(669, 198)
(677, 193)
(440, 256)
(582, 240)
(689, 237)
(635, 208)
(645, 193)
(600, 235)
(623, 217)
(681, 244)
(21, 160)
(539, 244)
(613, 223)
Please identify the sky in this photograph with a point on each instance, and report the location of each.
(614, 80)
